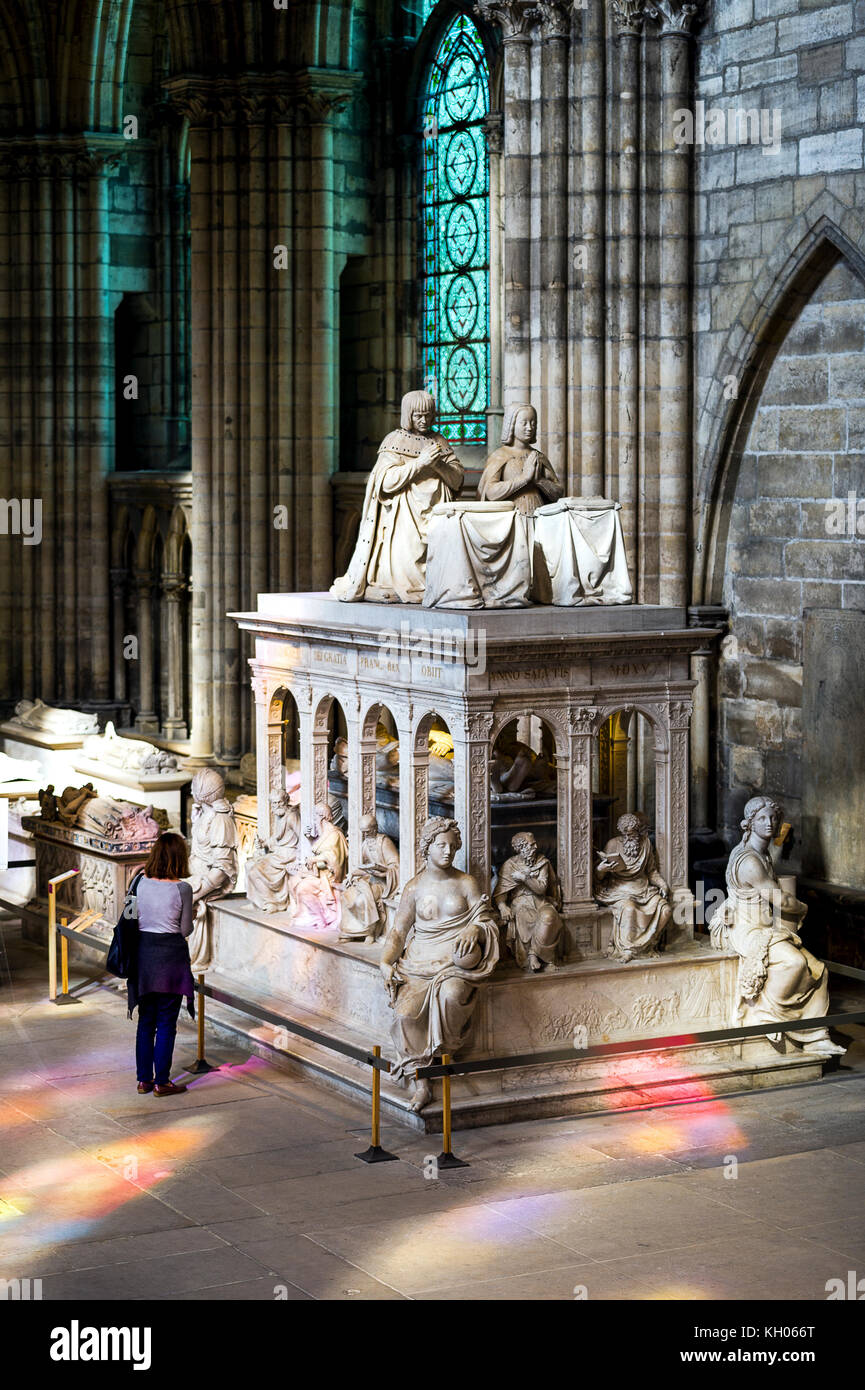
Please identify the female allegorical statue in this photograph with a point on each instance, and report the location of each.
(444, 941)
(779, 979)
(518, 472)
(414, 471)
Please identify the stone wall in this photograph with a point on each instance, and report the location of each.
(788, 547)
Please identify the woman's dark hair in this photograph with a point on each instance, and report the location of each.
(169, 857)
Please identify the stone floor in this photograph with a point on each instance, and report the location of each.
(246, 1187)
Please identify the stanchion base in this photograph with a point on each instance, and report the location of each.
(451, 1161)
(201, 1066)
(66, 999)
(376, 1154)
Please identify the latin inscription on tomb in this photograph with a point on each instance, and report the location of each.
(635, 669)
(379, 666)
(535, 675)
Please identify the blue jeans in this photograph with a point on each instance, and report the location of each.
(154, 1041)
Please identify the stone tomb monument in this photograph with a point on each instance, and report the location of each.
(572, 668)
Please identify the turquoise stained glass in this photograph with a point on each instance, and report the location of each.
(455, 234)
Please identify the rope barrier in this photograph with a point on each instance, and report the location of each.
(446, 1068)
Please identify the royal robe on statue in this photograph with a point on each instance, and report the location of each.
(389, 560)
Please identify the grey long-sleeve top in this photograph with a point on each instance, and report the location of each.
(165, 905)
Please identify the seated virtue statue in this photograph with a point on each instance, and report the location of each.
(444, 942)
(779, 980)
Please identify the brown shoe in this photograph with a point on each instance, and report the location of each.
(169, 1089)
(145, 1087)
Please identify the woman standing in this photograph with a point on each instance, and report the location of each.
(163, 975)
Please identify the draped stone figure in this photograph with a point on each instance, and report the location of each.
(49, 719)
(518, 472)
(268, 876)
(81, 808)
(634, 888)
(779, 981)
(444, 942)
(133, 754)
(369, 886)
(415, 470)
(315, 902)
(529, 900)
(212, 858)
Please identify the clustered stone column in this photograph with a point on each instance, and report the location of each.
(56, 315)
(264, 399)
(676, 20)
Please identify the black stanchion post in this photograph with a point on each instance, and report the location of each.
(375, 1153)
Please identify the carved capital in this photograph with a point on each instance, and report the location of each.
(628, 15)
(494, 131)
(479, 725)
(675, 16)
(680, 714)
(321, 93)
(514, 17)
(583, 719)
(62, 157)
(554, 17)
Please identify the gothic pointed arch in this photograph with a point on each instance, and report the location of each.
(816, 242)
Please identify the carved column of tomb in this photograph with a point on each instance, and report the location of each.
(366, 754)
(318, 750)
(703, 673)
(413, 790)
(679, 719)
(472, 791)
(576, 844)
(302, 692)
(264, 746)
(354, 792)
(676, 19)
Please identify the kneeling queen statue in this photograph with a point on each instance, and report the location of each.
(444, 941)
(779, 979)
(414, 471)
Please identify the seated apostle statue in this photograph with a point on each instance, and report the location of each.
(415, 470)
(367, 889)
(268, 876)
(443, 943)
(518, 472)
(313, 887)
(529, 899)
(633, 886)
(779, 979)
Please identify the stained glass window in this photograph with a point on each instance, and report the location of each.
(455, 234)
